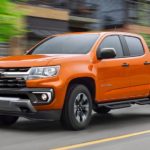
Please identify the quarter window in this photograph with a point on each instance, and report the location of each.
(135, 46)
(113, 42)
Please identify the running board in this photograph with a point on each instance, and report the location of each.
(124, 104)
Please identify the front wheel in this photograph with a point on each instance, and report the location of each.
(77, 109)
(7, 120)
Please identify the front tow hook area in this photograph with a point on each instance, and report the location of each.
(16, 105)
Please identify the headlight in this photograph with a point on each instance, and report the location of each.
(42, 72)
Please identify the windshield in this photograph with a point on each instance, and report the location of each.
(66, 44)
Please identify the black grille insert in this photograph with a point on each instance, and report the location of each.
(12, 82)
(14, 69)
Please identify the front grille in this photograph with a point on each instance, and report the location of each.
(14, 69)
(12, 83)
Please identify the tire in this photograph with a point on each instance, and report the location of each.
(77, 110)
(102, 110)
(7, 120)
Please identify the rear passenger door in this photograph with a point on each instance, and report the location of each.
(138, 73)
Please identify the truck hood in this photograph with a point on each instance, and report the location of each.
(33, 60)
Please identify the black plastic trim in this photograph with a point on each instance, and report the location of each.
(27, 92)
(51, 115)
(125, 103)
(124, 46)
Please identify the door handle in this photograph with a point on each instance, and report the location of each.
(146, 63)
(125, 65)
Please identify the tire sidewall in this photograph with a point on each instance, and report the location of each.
(73, 93)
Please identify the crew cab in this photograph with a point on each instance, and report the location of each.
(65, 77)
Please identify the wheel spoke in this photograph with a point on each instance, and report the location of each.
(84, 100)
(86, 107)
(81, 119)
(81, 97)
(81, 107)
(84, 117)
(75, 108)
(78, 117)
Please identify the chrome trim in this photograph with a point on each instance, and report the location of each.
(12, 99)
(49, 94)
(15, 74)
(14, 103)
(25, 75)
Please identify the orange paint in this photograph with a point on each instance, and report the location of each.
(113, 82)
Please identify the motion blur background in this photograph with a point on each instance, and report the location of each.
(25, 22)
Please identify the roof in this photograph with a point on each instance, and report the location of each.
(102, 33)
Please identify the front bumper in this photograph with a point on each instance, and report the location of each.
(20, 102)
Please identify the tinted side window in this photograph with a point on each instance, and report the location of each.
(113, 42)
(135, 46)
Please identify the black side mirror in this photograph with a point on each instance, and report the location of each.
(106, 53)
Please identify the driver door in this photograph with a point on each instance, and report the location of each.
(113, 73)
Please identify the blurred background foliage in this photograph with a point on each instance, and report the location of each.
(23, 23)
(147, 38)
(11, 21)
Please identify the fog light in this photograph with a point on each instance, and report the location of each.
(44, 97)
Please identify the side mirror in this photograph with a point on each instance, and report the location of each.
(106, 53)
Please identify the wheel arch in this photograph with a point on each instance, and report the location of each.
(89, 82)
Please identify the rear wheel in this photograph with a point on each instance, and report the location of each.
(77, 109)
(102, 110)
(7, 120)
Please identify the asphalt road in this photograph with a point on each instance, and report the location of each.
(122, 129)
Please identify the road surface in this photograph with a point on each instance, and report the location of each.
(123, 129)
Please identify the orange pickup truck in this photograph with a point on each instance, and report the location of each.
(66, 76)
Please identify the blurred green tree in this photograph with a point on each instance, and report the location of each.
(11, 21)
(147, 38)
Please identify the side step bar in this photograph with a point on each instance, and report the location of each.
(124, 104)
